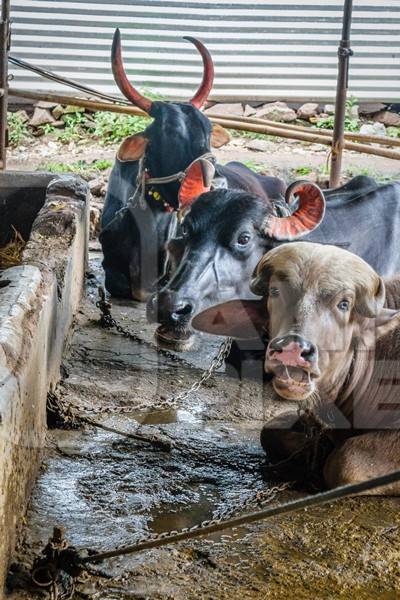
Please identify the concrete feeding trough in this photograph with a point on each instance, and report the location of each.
(38, 301)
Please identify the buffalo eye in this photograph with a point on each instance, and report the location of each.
(273, 292)
(343, 305)
(244, 239)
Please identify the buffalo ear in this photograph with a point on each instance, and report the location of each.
(133, 148)
(386, 321)
(370, 304)
(260, 278)
(219, 136)
(242, 319)
(197, 180)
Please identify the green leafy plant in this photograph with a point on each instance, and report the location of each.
(393, 132)
(47, 128)
(17, 129)
(252, 135)
(112, 127)
(79, 167)
(74, 129)
(303, 170)
(151, 95)
(351, 123)
(254, 166)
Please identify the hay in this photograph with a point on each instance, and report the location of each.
(11, 253)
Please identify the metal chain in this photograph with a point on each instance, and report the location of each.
(109, 322)
(257, 500)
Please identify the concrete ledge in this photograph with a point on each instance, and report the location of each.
(37, 309)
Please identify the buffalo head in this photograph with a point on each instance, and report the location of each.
(323, 310)
(223, 236)
(179, 134)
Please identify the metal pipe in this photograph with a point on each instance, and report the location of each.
(344, 53)
(310, 135)
(338, 493)
(4, 47)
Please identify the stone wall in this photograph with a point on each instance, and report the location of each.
(38, 303)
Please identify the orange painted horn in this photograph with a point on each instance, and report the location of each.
(121, 79)
(306, 218)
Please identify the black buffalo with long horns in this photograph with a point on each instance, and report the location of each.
(155, 174)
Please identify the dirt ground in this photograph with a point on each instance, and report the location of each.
(108, 490)
(279, 157)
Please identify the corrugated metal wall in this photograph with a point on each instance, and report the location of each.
(275, 49)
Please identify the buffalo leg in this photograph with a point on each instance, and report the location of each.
(296, 448)
(117, 283)
(362, 457)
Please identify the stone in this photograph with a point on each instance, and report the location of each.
(44, 104)
(307, 110)
(329, 109)
(60, 110)
(258, 145)
(219, 136)
(96, 209)
(388, 118)
(249, 111)
(373, 129)
(228, 109)
(352, 112)
(41, 116)
(276, 111)
(95, 186)
(370, 108)
(23, 115)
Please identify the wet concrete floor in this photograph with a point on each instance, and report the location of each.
(108, 490)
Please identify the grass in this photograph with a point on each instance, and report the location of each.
(18, 131)
(350, 123)
(79, 167)
(303, 170)
(11, 253)
(74, 129)
(393, 132)
(353, 171)
(254, 166)
(252, 135)
(113, 127)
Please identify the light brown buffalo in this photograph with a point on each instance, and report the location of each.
(335, 349)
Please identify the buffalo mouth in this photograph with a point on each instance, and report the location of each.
(292, 383)
(179, 339)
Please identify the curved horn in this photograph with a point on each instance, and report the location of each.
(307, 216)
(202, 93)
(121, 79)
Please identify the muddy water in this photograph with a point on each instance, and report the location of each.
(108, 490)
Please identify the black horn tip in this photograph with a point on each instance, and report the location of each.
(116, 41)
(192, 40)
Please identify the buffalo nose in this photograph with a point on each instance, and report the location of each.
(165, 307)
(182, 311)
(292, 350)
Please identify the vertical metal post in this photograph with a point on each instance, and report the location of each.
(344, 53)
(4, 47)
